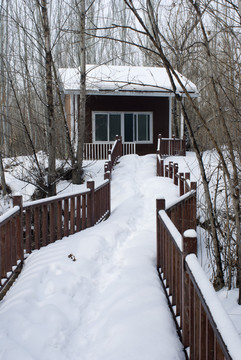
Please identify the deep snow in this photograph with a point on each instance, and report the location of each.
(108, 304)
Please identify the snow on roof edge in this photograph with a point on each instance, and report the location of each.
(122, 80)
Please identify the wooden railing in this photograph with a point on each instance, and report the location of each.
(96, 151)
(113, 156)
(170, 170)
(101, 151)
(129, 148)
(29, 226)
(171, 146)
(205, 329)
(11, 244)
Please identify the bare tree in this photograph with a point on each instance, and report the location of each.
(162, 50)
(77, 168)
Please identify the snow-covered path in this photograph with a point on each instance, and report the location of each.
(108, 304)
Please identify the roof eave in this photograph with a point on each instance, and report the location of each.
(130, 93)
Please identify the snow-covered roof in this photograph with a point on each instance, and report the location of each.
(123, 80)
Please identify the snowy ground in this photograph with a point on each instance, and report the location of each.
(106, 305)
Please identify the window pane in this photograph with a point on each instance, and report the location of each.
(115, 126)
(128, 124)
(143, 127)
(101, 127)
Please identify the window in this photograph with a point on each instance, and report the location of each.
(134, 127)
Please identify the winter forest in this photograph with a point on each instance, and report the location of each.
(200, 39)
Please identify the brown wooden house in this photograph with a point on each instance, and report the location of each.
(134, 102)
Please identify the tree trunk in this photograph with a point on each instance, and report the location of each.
(50, 101)
(77, 170)
(2, 177)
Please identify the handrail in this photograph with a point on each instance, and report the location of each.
(100, 150)
(190, 295)
(170, 170)
(113, 155)
(96, 151)
(29, 226)
(227, 336)
(171, 146)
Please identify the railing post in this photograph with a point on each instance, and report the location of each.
(160, 205)
(187, 177)
(166, 170)
(157, 165)
(120, 150)
(193, 220)
(18, 201)
(175, 176)
(91, 204)
(109, 155)
(159, 144)
(189, 247)
(106, 171)
(162, 167)
(193, 185)
(181, 184)
(170, 169)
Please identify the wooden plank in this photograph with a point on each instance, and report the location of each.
(3, 251)
(52, 217)
(8, 247)
(72, 215)
(78, 214)
(83, 221)
(44, 225)
(66, 217)
(36, 228)
(209, 341)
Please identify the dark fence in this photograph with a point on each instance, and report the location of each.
(201, 321)
(35, 224)
(170, 170)
(171, 146)
(30, 226)
(38, 223)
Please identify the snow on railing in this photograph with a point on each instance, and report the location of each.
(210, 311)
(204, 328)
(113, 156)
(29, 226)
(170, 170)
(171, 146)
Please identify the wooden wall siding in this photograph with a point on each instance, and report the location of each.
(159, 106)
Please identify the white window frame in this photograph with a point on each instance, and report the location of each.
(122, 113)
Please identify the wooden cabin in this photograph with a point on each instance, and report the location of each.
(131, 101)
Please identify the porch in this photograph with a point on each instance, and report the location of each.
(165, 147)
